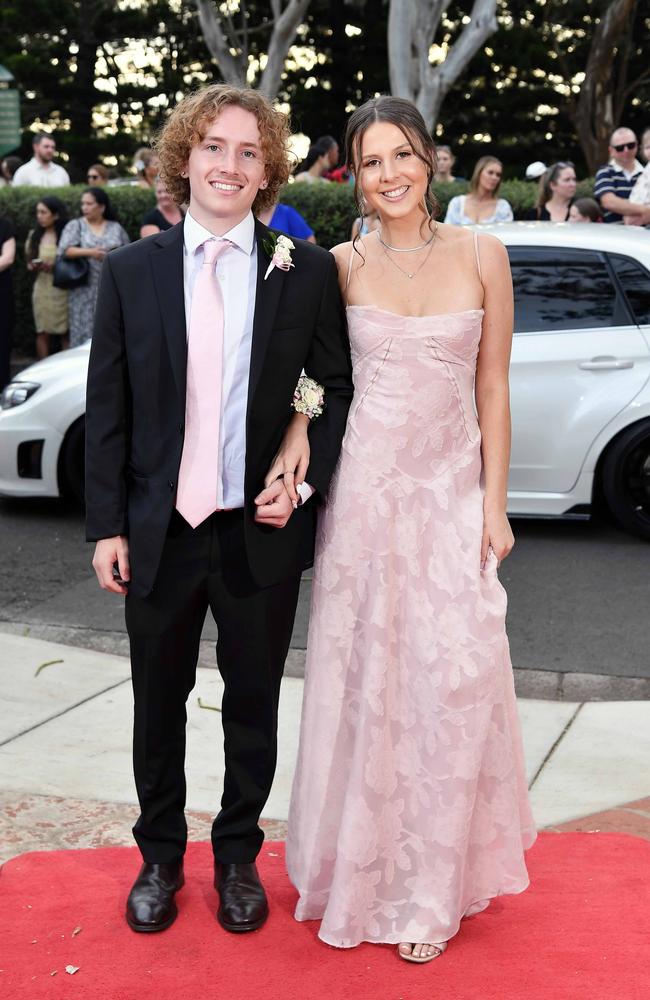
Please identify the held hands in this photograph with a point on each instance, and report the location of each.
(274, 507)
(109, 551)
(279, 498)
(497, 535)
(292, 459)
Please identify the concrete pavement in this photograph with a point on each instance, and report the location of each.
(65, 752)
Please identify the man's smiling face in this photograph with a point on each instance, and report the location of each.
(226, 170)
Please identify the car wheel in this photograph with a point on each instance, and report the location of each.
(72, 462)
(626, 479)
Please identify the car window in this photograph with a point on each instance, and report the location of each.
(560, 289)
(636, 284)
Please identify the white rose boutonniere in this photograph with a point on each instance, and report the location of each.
(279, 250)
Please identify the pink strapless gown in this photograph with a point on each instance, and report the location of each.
(409, 808)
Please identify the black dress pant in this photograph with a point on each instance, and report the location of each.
(200, 568)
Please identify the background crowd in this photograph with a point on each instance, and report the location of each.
(64, 255)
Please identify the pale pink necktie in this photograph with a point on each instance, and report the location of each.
(196, 497)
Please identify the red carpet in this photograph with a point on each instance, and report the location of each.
(579, 933)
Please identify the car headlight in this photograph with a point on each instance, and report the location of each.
(17, 392)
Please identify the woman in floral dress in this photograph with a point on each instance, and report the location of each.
(91, 236)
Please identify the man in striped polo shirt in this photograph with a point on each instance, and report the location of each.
(615, 181)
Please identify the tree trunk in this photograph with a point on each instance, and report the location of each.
(231, 54)
(80, 140)
(596, 113)
(232, 67)
(285, 25)
(412, 25)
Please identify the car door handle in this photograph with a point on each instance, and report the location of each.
(606, 362)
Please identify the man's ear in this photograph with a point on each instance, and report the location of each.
(264, 184)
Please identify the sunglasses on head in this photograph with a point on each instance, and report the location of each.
(625, 145)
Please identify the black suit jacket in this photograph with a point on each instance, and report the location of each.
(135, 408)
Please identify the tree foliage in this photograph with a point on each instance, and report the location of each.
(104, 74)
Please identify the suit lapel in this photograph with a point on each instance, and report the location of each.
(167, 265)
(267, 298)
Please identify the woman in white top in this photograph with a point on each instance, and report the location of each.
(481, 205)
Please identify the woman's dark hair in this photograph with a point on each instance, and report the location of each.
(403, 114)
(316, 150)
(10, 165)
(56, 206)
(102, 198)
(590, 208)
(549, 177)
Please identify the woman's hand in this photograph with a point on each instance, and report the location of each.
(497, 535)
(292, 459)
(98, 253)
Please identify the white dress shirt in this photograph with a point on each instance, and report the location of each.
(237, 270)
(36, 174)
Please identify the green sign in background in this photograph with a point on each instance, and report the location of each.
(10, 132)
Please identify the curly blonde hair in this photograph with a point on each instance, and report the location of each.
(187, 126)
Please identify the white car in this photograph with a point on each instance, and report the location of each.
(580, 383)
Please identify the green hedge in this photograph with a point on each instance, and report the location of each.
(18, 205)
(328, 208)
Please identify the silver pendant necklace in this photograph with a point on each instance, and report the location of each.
(410, 274)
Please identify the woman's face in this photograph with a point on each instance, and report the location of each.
(445, 161)
(152, 168)
(44, 216)
(163, 196)
(645, 148)
(392, 178)
(490, 176)
(90, 208)
(565, 183)
(576, 216)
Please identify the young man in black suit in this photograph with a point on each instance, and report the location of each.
(201, 335)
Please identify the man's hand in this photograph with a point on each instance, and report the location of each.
(274, 506)
(109, 551)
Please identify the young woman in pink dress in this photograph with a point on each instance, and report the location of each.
(409, 808)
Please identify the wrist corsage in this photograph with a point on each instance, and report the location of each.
(309, 397)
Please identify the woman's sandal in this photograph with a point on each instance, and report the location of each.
(421, 959)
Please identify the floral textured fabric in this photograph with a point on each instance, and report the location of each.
(409, 808)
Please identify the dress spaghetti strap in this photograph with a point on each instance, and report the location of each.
(478, 259)
(347, 280)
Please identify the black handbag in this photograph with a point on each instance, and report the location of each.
(70, 272)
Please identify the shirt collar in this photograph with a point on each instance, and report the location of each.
(42, 166)
(628, 173)
(242, 235)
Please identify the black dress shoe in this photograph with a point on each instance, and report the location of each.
(243, 905)
(150, 906)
